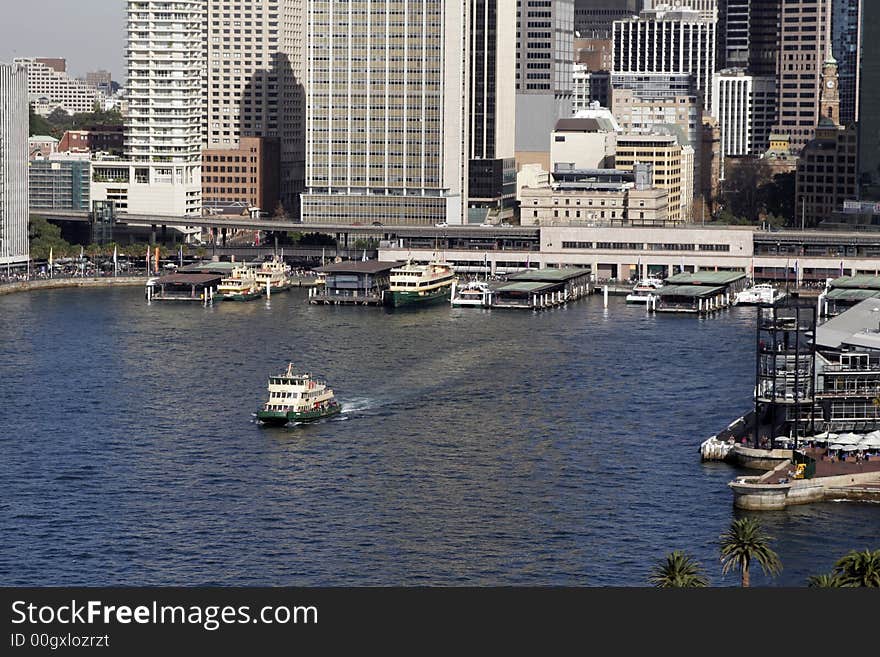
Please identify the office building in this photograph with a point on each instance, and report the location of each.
(733, 34)
(827, 169)
(846, 46)
(59, 183)
(869, 96)
(589, 87)
(544, 60)
(387, 118)
(14, 119)
(671, 163)
(492, 97)
(594, 18)
(745, 108)
(764, 41)
(583, 144)
(245, 176)
(667, 40)
(804, 33)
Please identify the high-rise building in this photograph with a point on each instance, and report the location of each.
(13, 164)
(667, 40)
(387, 118)
(593, 18)
(60, 183)
(163, 136)
(764, 42)
(846, 20)
(804, 33)
(826, 171)
(589, 87)
(745, 108)
(708, 9)
(544, 60)
(291, 66)
(733, 33)
(51, 88)
(869, 96)
(492, 95)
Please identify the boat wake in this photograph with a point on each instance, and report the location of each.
(360, 405)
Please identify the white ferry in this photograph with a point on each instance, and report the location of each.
(275, 273)
(762, 294)
(644, 290)
(297, 398)
(240, 285)
(420, 284)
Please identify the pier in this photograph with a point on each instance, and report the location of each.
(356, 282)
(543, 288)
(698, 293)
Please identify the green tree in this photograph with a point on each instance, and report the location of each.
(678, 570)
(37, 124)
(744, 543)
(45, 236)
(859, 569)
(826, 581)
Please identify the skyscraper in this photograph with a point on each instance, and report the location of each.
(804, 32)
(846, 47)
(13, 164)
(163, 135)
(492, 95)
(593, 18)
(387, 124)
(667, 40)
(869, 96)
(544, 85)
(733, 33)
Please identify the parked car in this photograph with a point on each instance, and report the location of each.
(377, 223)
(442, 224)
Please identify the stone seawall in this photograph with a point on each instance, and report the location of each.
(55, 283)
(756, 494)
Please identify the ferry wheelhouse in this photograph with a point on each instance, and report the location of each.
(297, 397)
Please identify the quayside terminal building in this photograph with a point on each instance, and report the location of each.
(624, 252)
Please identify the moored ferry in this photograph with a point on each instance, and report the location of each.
(295, 397)
(762, 294)
(644, 290)
(274, 272)
(420, 284)
(240, 285)
(473, 293)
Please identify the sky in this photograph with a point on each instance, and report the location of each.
(88, 33)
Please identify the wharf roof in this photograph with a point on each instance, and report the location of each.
(584, 125)
(689, 290)
(549, 275)
(188, 279)
(864, 281)
(210, 267)
(359, 267)
(525, 286)
(851, 294)
(857, 326)
(705, 278)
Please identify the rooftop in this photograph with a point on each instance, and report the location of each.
(188, 279)
(705, 278)
(858, 326)
(549, 275)
(689, 290)
(861, 281)
(359, 267)
(525, 286)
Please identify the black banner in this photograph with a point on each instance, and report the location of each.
(250, 621)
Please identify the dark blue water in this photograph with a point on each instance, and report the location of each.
(477, 447)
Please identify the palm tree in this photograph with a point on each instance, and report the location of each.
(859, 569)
(745, 542)
(826, 581)
(679, 570)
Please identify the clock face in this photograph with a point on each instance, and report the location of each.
(830, 84)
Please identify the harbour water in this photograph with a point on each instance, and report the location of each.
(476, 448)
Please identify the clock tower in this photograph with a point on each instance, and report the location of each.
(829, 96)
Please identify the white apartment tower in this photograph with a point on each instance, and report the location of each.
(665, 40)
(13, 164)
(387, 124)
(164, 125)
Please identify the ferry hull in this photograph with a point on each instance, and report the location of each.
(401, 299)
(278, 418)
(250, 296)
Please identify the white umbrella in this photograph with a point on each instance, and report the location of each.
(849, 448)
(849, 438)
(835, 447)
(821, 438)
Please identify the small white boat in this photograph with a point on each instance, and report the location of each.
(644, 290)
(474, 293)
(762, 294)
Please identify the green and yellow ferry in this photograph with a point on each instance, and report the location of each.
(420, 284)
(297, 398)
(240, 285)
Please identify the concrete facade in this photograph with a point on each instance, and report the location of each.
(672, 166)
(14, 200)
(46, 81)
(247, 174)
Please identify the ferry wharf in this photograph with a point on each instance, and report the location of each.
(543, 288)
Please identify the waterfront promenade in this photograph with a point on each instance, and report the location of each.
(73, 281)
